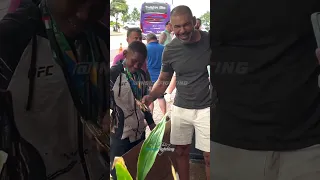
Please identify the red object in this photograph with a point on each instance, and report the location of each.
(14, 4)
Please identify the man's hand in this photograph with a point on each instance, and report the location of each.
(147, 100)
(318, 54)
(152, 126)
(158, 88)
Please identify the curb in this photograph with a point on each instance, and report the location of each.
(118, 34)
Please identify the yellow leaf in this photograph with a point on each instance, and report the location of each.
(121, 169)
(120, 161)
(173, 171)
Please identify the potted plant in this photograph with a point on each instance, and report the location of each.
(147, 155)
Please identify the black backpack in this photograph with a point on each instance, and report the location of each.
(24, 161)
(32, 166)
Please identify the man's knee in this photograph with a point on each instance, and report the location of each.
(182, 150)
(206, 156)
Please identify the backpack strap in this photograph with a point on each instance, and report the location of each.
(34, 57)
(32, 71)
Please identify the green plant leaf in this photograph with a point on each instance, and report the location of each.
(121, 169)
(150, 149)
(173, 170)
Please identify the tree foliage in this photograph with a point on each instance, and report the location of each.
(135, 14)
(118, 7)
(205, 18)
(125, 18)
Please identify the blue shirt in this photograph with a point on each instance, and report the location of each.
(154, 63)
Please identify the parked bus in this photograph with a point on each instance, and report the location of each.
(154, 16)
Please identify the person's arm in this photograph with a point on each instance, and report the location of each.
(115, 71)
(16, 31)
(172, 85)
(165, 77)
(162, 38)
(147, 114)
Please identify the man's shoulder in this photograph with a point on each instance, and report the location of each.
(116, 67)
(115, 71)
(204, 33)
(26, 19)
(155, 46)
(148, 45)
(119, 56)
(25, 13)
(164, 32)
(173, 45)
(160, 46)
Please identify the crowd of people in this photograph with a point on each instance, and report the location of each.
(167, 61)
(40, 41)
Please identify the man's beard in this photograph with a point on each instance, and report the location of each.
(190, 38)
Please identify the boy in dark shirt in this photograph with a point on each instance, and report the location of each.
(127, 86)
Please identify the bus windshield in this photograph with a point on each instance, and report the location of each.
(154, 17)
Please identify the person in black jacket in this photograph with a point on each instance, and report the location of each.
(128, 84)
(51, 57)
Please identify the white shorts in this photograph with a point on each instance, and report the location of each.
(185, 121)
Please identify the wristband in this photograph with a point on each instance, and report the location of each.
(153, 98)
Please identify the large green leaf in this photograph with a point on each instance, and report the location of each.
(150, 149)
(121, 169)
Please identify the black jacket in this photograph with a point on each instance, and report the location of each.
(17, 30)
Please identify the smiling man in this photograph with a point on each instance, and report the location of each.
(188, 55)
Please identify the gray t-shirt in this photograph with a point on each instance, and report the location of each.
(190, 62)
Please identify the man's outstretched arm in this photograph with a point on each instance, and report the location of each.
(161, 84)
(163, 81)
